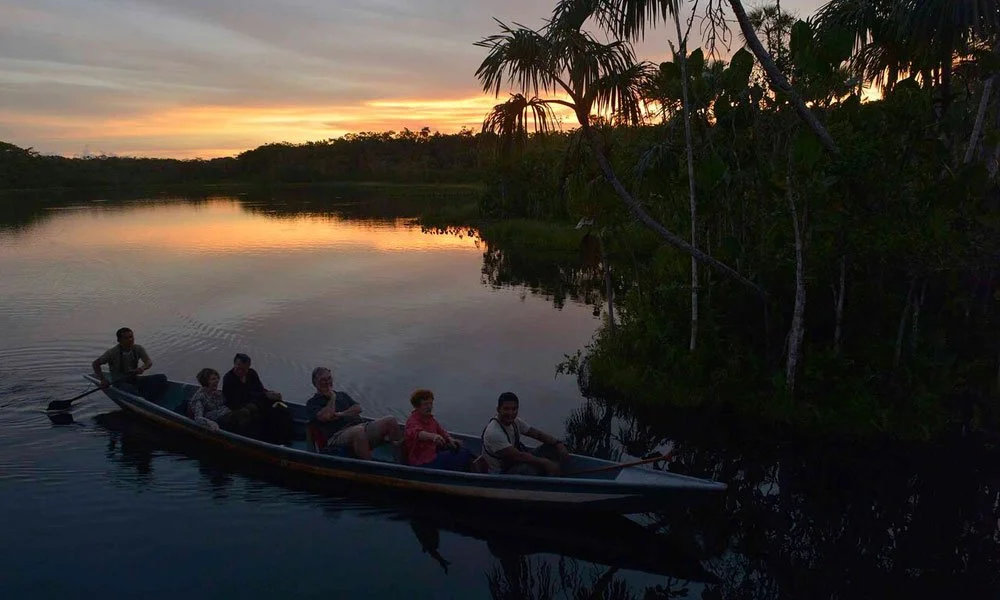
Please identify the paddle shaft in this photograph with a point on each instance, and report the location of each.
(64, 404)
(623, 465)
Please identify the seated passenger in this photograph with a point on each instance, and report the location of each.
(242, 387)
(337, 416)
(426, 443)
(259, 410)
(208, 406)
(502, 448)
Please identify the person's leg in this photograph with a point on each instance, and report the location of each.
(548, 451)
(449, 460)
(382, 430)
(389, 429)
(356, 439)
(456, 460)
(523, 469)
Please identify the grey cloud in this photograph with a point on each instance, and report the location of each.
(115, 58)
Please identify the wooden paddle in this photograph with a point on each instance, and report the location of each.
(66, 404)
(636, 463)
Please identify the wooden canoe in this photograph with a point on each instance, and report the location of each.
(620, 490)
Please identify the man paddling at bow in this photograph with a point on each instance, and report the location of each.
(126, 372)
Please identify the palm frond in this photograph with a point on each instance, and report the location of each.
(518, 56)
(512, 122)
(620, 93)
(631, 17)
(573, 14)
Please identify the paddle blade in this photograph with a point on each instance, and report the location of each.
(63, 418)
(57, 405)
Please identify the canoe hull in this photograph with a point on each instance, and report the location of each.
(510, 491)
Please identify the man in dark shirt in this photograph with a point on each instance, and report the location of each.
(258, 411)
(338, 417)
(242, 386)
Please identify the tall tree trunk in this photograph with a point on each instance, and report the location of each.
(610, 290)
(839, 311)
(651, 223)
(902, 322)
(994, 164)
(977, 129)
(796, 332)
(918, 301)
(689, 142)
(778, 79)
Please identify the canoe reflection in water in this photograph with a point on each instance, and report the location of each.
(513, 538)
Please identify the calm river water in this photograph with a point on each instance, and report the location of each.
(97, 504)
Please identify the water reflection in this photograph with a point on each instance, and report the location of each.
(558, 277)
(828, 520)
(203, 221)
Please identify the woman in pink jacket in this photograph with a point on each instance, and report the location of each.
(426, 443)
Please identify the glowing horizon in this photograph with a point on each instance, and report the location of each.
(195, 79)
(275, 124)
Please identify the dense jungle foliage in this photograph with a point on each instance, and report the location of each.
(856, 243)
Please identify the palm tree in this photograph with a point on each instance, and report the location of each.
(592, 77)
(897, 38)
(629, 18)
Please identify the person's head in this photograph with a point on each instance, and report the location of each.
(126, 339)
(322, 379)
(507, 405)
(423, 401)
(208, 378)
(241, 364)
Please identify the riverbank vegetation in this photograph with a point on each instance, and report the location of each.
(822, 259)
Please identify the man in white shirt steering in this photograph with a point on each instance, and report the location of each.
(504, 452)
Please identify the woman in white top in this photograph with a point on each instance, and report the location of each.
(208, 406)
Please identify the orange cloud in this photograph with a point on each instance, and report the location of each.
(212, 130)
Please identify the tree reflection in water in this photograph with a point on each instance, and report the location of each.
(823, 519)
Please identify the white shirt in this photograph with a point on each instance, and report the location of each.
(496, 437)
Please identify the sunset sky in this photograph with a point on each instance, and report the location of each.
(206, 78)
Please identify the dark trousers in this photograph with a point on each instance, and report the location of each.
(150, 387)
(549, 451)
(451, 460)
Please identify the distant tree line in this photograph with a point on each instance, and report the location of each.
(392, 157)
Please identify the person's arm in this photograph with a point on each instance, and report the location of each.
(545, 438)
(430, 436)
(541, 436)
(100, 360)
(147, 363)
(197, 406)
(513, 454)
(330, 412)
(445, 436)
(414, 431)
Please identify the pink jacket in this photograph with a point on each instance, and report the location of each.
(418, 451)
